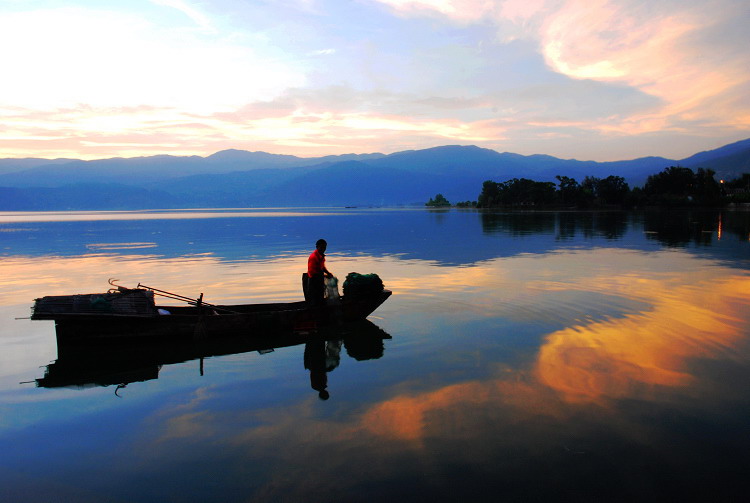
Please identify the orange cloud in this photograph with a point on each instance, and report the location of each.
(672, 52)
(647, 49)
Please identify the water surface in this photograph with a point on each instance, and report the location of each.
(532, 356)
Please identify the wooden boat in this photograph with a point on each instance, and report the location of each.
(133, 314)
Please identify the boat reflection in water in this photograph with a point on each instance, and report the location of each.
(84, 365)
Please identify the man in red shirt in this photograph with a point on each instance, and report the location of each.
(316, 272)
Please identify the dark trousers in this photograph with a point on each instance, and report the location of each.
(314, 288)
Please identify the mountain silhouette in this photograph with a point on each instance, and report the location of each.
(239, 178)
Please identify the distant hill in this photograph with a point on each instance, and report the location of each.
(729, 161)
(239, 178)
(356, 183)
(145, 171)
(84, 197)
(14, 165)
(477, 163)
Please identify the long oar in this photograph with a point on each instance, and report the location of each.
(175, 296)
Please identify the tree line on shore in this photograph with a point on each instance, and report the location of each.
(674, 186)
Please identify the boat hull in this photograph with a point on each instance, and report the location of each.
(190, 322)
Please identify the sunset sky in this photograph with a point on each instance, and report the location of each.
(586, 79)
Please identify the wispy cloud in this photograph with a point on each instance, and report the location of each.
(323, 52)
(651, 51)
(193, 13)
(678, 53)
(458, 10)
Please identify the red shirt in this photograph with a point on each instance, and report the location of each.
(316, 263)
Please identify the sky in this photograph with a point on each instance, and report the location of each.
(586, 79)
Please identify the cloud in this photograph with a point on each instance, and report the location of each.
(683, 55)
(521, 11)
(457, 10)
(668, 51)
(194, 14)
(71, 56)
(625, 42)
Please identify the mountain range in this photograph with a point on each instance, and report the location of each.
(238, 178)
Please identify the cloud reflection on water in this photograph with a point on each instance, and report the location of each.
(692, 310)
(626, 357)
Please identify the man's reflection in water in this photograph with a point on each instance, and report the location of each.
(321, 357)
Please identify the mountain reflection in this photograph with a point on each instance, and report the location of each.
(119, 364)
(407, 233)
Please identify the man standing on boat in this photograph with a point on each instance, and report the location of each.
(317, 272)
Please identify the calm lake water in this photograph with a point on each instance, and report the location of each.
(524, 356)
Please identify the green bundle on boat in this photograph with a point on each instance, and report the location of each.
(362, 285)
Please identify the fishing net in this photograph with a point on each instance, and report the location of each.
(362, 285)
(332, 288)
